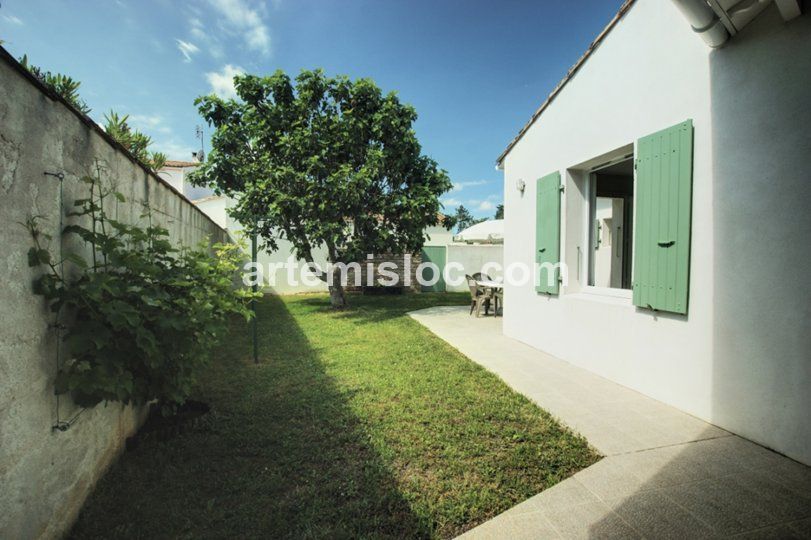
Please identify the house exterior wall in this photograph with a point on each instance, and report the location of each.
(178, 178)
(45, 475)
(175, 176)
(739, 359)
(438, 236)
(215, 208)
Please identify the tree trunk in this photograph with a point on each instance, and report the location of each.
(336, 290)
(337, 297)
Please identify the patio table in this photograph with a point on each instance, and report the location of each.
(495, 287)
(490, 284)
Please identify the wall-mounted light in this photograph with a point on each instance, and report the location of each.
(520, 185)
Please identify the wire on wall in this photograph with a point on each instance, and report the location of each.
(61, 425)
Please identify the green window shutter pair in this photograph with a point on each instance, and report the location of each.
(547, 233)
(664, 178)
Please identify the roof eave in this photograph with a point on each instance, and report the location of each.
(569, 75)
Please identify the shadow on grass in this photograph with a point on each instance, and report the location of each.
(280, 455)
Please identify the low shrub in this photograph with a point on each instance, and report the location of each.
(140, 318)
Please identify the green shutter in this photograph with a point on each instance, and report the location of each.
(547, 231)
(664, 177)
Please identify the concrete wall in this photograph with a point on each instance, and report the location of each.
(473, 258)
(45, 475)
(740, 358)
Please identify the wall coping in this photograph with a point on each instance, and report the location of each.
(6, 57)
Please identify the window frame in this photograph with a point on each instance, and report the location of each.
(588, 225)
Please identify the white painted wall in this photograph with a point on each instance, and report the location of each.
(473, 258)
(178, 177)
(174, 175)
(438, 236)
(650, 73)
(278, 279)
(215, 208)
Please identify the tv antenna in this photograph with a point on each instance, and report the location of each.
(201, 155)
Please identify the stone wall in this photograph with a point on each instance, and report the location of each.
(46, 474)
(406, 271)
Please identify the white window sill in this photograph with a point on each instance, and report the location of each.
(620, 297)
(607, 291)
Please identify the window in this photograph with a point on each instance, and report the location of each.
(610, 210)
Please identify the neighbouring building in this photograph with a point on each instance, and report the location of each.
(673, 181)
(176, 174)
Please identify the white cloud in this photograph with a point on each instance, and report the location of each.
(146, 120)
(458, 186)
(154, 122)
(485, 206)
(222, 82)
(246, 21)
(450, 201)
(164, 138)
(187, 49)
(173, 149)
(198, 31)
(13, 20)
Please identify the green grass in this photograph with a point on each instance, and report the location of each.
(358, 423)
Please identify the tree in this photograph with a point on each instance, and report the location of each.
(499, 212)
(464, 219)
(133, 140)
(63, 85)
(322, 161)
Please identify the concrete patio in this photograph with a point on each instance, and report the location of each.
(665, 474)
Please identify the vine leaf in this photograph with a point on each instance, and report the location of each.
(38, 256)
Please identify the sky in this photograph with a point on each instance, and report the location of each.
(475, 71)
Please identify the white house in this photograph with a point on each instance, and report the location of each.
(177, 172)
(670, 173)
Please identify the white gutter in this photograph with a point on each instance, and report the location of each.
(704, 20)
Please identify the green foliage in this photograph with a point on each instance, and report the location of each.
(63, 85)
(132, 139)
(322, 162)
(143, 315)
(499, 212)
(463, 219)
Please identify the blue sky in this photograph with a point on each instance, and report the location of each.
(475, 71)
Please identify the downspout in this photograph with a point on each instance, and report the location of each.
(704, 20)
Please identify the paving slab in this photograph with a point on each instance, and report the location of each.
(665, 474)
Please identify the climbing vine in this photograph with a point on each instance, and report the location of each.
(139, 317)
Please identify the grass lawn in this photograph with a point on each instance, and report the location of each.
(359, 423)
